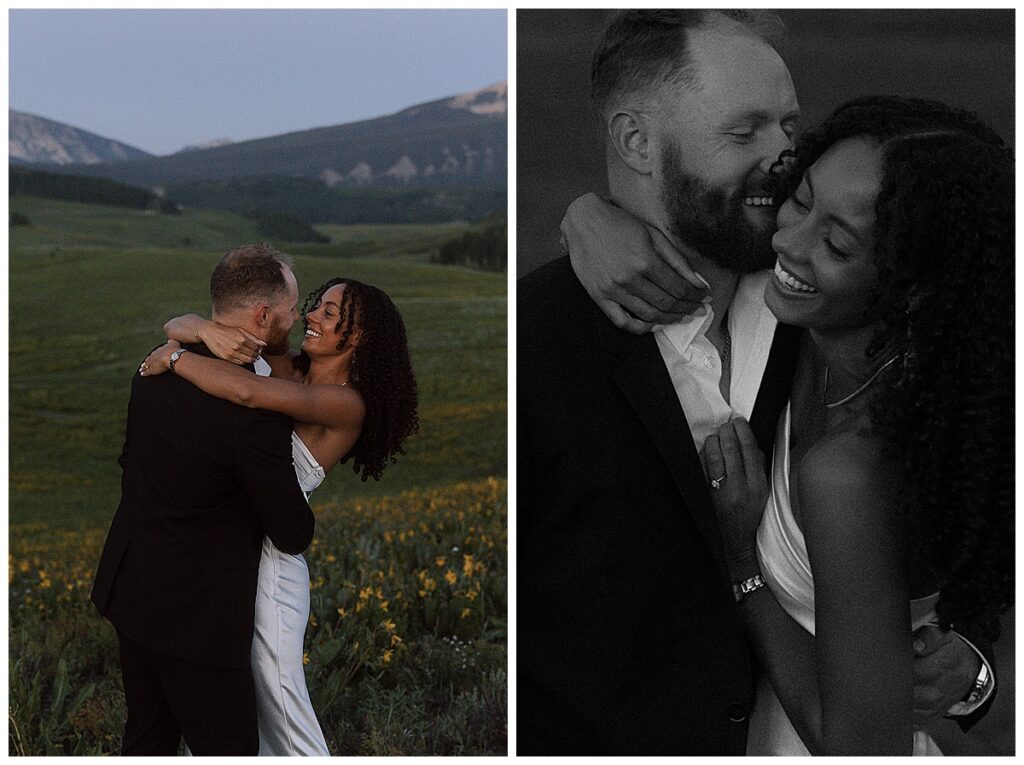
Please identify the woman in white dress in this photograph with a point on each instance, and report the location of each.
(890, 499)
(352, 394)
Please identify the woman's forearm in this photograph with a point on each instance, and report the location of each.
(792, 659)
(186, 329)
(218, 378)
(786, 651)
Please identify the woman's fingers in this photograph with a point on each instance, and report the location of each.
(714, 460)
(731, 453)
(753, 458)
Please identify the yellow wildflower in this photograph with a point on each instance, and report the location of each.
(386, 658)
(450, 576)
(305, 657)
(467, 565)
(466, 612)
(440, 562)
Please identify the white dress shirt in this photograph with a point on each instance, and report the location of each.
(695, 367)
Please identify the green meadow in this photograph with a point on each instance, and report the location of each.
(90, 288)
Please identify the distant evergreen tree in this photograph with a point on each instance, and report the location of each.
(19, 219)
(311, 200)
(286, 227)
(484, 247)
(77, 188)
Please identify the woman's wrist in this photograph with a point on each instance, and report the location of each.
(201, 326)
(743, 564)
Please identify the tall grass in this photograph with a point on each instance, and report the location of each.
(406, 642)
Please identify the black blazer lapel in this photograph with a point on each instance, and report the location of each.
(643, 379)
(773, 394)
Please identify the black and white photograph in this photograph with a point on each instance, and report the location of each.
(764, 408)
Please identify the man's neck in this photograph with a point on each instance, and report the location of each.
(238, 320)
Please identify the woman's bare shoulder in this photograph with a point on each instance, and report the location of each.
(845, 468)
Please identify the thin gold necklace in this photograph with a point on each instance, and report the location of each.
(859, 390)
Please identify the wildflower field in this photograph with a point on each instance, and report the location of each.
(406, 645)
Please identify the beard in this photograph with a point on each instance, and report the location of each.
(277, 338)
(713, 222)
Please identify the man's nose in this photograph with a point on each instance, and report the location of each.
(776, 142)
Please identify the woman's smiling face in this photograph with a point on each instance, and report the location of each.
(825, 277)
(322, 333)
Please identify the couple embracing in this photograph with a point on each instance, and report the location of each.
(765, 496)
(228, 432)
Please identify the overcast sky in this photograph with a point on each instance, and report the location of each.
(163, 79)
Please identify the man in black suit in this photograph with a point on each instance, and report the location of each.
(628, 637)
(203, 481)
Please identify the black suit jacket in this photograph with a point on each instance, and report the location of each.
(203, 480)
(628, 638)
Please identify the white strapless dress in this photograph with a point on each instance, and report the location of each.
(787, 571)
(287, 723)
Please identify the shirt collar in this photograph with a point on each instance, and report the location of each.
(749, 296)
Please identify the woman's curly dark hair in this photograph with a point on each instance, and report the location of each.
(944, 252)
(381, 372)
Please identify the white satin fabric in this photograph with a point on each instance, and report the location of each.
(287, 723)
(786, 568)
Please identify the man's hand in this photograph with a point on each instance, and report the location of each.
(945, 668)
(630, 269)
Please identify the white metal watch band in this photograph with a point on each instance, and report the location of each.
(741, 589)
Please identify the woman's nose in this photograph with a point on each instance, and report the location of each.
(786, 241)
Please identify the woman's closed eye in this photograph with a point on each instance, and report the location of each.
(799, 203)
(836, 251)
(742, 136)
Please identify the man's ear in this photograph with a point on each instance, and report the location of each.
(629, 132)
(263, 316)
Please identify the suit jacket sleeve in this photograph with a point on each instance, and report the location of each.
(264, 464)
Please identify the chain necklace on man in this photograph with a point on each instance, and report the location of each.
(726, 357)
(727, 344)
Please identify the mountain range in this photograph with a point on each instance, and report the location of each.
(455, 141)
(39, 140)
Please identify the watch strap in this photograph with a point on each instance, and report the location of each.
(743, 588)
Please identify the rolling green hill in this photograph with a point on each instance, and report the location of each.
(110, 278)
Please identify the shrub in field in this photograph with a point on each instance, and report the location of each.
(405, 645)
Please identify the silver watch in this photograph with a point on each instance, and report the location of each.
(175, 356)
(741, 589)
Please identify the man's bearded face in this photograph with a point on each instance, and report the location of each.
(713, 221)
